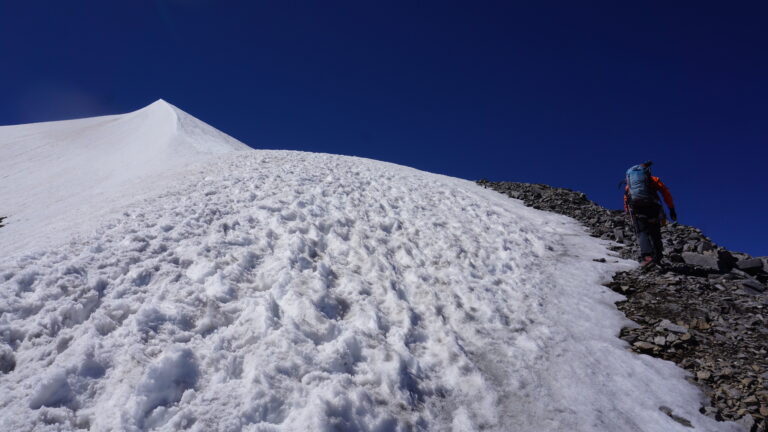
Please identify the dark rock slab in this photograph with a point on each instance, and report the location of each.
(708, 261)
(753, 284)
(750, 264)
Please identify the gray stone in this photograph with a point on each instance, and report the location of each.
(7, 359)
(733, 393)
(753, 284)
(754, 264)
(668, 411)
(709, 261)
(740, 273)
(618, 233)
(645, 346)
(705, 247)
(667, 325)
(630, 338)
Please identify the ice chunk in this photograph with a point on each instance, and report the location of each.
(165, 381)
(53, 391)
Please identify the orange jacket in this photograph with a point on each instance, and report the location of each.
(659, 186)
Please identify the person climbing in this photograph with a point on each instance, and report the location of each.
(641, 202)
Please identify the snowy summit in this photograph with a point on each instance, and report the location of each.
(57, 175)
(157, 274)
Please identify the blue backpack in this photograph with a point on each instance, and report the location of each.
(639, 183)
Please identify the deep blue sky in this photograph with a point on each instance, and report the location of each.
(567, 93)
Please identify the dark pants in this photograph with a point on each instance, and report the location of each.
(648, 227)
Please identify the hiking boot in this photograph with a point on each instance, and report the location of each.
(647, 262)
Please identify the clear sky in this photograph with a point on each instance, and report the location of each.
(567, 93)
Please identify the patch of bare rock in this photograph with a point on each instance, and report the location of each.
(705, 308)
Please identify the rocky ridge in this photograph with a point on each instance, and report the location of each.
(704, 307)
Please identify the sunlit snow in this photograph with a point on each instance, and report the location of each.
(198, 285)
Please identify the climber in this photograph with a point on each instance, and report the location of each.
(641, 202)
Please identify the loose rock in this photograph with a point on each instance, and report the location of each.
(750, 265)
(708, 261)
(705, 308)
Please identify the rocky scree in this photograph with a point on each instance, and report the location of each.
(704, 307)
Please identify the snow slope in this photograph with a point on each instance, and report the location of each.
(58, 177)
(288, 291)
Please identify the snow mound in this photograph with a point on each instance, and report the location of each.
(60, 176)
(286, 291)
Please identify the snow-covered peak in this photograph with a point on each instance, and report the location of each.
(66, 172)
(190, 134)
(158, 114)
(160, 104)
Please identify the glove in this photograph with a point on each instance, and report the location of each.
(673, 214)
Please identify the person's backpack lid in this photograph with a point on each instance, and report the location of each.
(639, 182)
